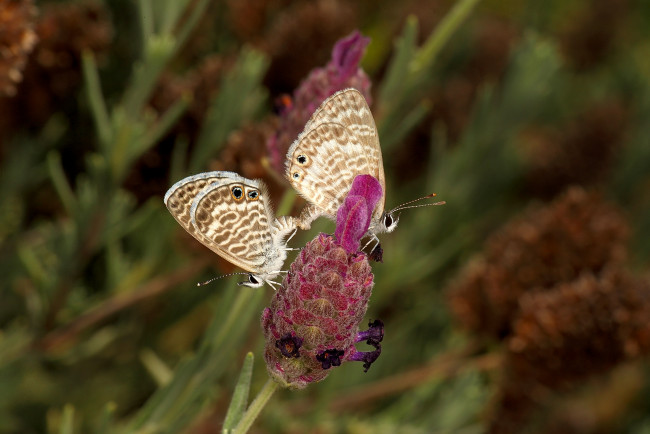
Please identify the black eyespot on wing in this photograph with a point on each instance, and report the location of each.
(237, 193)
(253, 195)
(296, 175)
(301, 159)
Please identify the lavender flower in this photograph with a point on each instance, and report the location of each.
(313, 321)
(341, 72)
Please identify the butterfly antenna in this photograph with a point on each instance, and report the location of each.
(428, 196)
(218, 277)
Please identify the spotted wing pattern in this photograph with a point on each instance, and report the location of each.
(338, 143)
(232, 216)
(179, 197)
(237, 225)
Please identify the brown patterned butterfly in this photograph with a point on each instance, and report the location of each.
(338, 143)
(232, 216)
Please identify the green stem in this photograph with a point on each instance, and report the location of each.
(449, 24)
(256, 407)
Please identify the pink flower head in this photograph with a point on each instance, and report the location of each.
(341, 72)
(313, 321)
(353, 217)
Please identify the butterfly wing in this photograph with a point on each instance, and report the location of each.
(179, 197)
(233, 219)
(348, 107)
(338, 143)
(202, 204)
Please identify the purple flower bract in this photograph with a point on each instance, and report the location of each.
(313, 321)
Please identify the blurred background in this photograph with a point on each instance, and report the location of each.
(523, 305)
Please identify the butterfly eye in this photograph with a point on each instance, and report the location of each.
(388, 221)
(302, 159)
(237, 193)
(253, 195)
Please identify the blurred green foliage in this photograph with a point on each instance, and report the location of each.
(102, 326)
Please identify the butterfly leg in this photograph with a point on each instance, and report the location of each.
(308, 214)
(289, 239)
(273, 284)
(374, 238)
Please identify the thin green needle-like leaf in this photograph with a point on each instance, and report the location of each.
(398, 69)
(96, 99)
(67, 421)
(146, 19)
(106, 419)
(60, 182)
(196, 13)
(256, 407)
(158, 370)
(240, 396)
(166, 121)
(426, 56)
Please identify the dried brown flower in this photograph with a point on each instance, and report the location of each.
(17, 40)
(569, 333)
(54, 72)
(592, 33)
(580, 328)
(548, 245)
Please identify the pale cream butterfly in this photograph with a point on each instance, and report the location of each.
(232, 216)
(338, 143)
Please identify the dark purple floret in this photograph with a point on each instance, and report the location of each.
(289, 345)
(330, 358)
(368, 357)
(377, 254)
(374, 334)
(313, 320)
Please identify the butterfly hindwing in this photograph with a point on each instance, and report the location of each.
(235, 218)
(232, 216)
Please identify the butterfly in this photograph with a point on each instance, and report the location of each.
(338, 143)
(232, 216)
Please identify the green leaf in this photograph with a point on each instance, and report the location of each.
(399, 65)
(239, 399)
(67, 421)
(60, 182)
(256, 406)
(96, 99)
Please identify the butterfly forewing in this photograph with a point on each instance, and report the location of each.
(338, 143)
(323, 163)
(348, 107)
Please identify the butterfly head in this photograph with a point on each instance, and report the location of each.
(252, 281)
(389, 221)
